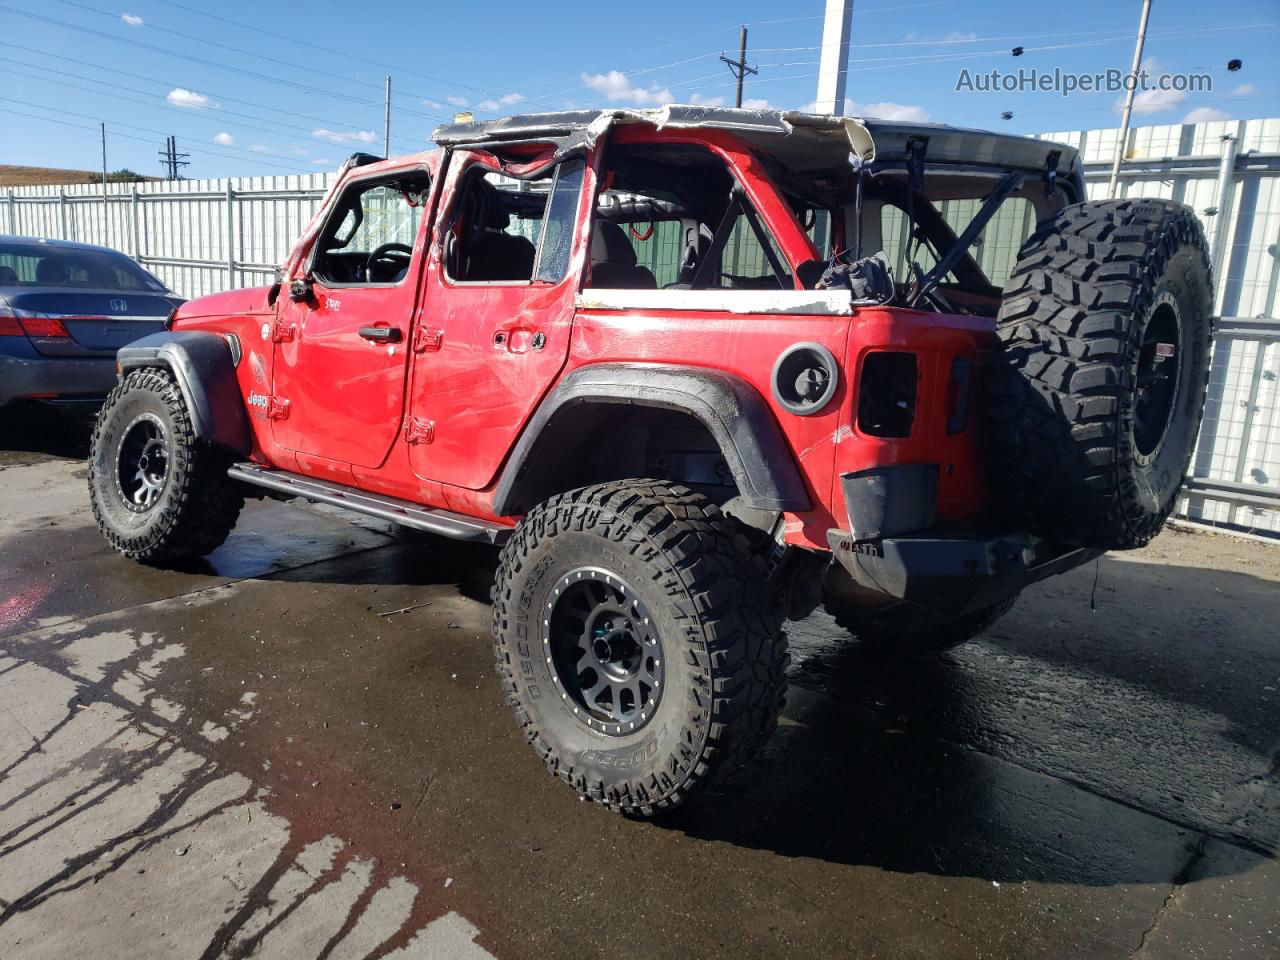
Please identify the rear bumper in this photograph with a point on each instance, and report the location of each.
(951, 575)
(67, 379)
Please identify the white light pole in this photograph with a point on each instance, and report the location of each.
(834, 63)
(1123, 140)
(386, 122)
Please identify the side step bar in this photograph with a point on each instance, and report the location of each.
(403, 512)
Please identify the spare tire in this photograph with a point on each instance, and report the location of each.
(1097, 391)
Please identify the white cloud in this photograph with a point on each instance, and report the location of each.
(495, 104)
(1205, 115)
(433, 104)
(322, 161)
(258, 148)
(132, 19)
(958, 36)
(224, 139)
(457, 101)
(617, 88)
(756, 103)
(887, 110)
(1154, 101)
(180, 97)
(1245, 90)
(699, 100)
(345, 136)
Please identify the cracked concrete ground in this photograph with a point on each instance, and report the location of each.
(297, 748)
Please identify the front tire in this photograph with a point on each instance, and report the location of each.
(637, 643)
(157, 492)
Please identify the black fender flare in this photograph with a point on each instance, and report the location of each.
(737, 416)
(204, 366)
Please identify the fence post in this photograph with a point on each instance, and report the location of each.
(13, 220)
(1222, 218)
(133, 222)
(231, 250)
(62, 213)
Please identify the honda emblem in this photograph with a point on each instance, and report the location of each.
(119, 306)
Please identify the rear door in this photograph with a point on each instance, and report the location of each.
(340, 350)
(497, 314)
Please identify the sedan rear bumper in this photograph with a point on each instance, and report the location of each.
(62, 379)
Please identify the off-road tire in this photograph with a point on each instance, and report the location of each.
(720, 628)
(1088, 286)
(198, 504)
(903, 629)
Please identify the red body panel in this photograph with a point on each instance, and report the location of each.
(350, 401)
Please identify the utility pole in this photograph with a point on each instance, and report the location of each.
(833, 65)
(106, 221)
(739, 67)
(386, 121)
(171, 159)
(1123, 140)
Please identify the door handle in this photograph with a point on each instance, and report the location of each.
(381, 334)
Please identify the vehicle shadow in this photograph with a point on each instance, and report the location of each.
(30, 432)
(1063, 746)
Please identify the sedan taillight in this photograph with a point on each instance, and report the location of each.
(9, 326)
(15, 323)
(44, 328)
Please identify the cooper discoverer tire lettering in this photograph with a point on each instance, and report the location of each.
(679, 607)
(157, 492)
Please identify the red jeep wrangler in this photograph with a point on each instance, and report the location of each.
(697, 370)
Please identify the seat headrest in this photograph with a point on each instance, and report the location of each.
(8, 276)
(609, 244)
(51, 270)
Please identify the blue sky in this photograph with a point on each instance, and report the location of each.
(261, 87)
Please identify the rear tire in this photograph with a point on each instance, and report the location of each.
(909, 629)
(158, 493)
(637, 585)
(1097, 396)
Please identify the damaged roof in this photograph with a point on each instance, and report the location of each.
(804, 141)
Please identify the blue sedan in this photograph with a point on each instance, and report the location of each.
(65, 309)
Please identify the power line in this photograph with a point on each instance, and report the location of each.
(117, 135)
(326, 121)
(209, 63)
(133, 126)
(310, 45)
(248, 53)
(215, 117)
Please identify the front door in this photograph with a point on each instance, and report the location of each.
(496, 317)
(341, 346)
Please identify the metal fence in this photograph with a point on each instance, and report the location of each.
(200, 236)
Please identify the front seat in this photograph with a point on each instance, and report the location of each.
(8, 277)
(613, 260)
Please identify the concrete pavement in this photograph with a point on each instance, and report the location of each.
(258, 756)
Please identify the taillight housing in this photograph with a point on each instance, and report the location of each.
(9, 326)
(16, 323)
(44, 328)
(887, 394)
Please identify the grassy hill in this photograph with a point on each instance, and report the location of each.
(19, 176)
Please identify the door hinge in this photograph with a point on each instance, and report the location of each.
(280, 332)
(425, 339)
(277, 408)
(419, 430)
